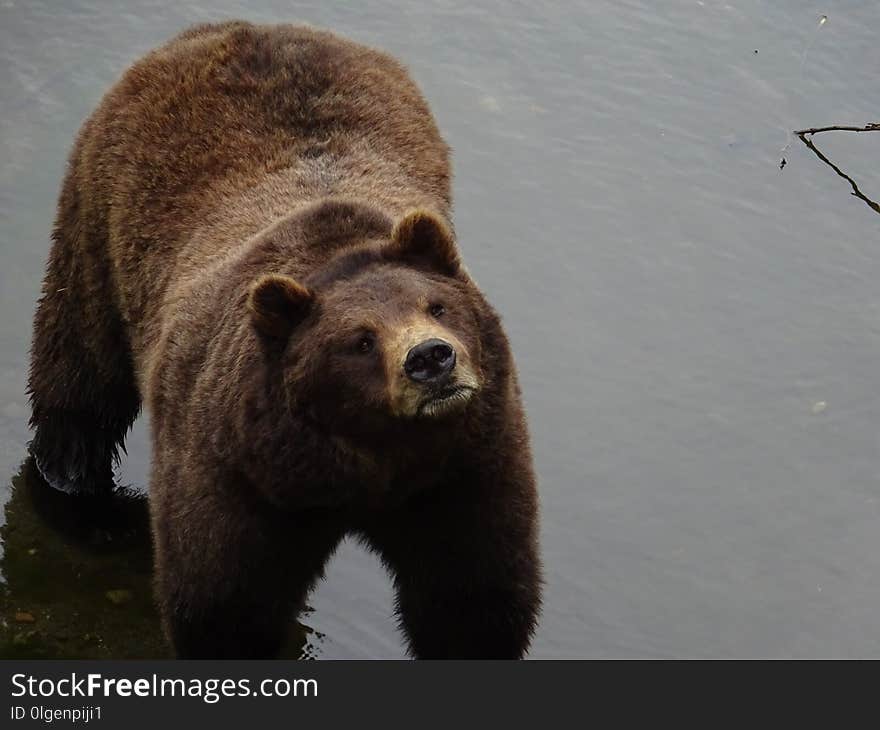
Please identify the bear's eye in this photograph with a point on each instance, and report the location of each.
(437, 310)
(365, 344)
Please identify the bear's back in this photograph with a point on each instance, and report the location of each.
(235, 101)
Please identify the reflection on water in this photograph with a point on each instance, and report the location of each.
(77, 577)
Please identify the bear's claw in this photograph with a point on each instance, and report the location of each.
(74, 460)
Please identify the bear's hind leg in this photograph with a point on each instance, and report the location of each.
(82, 387)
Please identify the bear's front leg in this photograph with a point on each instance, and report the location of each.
(466, 564)
(231, 571)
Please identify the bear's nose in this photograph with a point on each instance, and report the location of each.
(429, 361)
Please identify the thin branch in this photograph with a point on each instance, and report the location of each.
(872, 127)
(805, 137)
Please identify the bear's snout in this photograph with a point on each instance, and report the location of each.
(430, 361)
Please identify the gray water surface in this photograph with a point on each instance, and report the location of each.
(697, 331)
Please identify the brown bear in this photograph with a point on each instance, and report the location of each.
(253, 240)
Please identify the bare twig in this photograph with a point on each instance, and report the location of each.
(872, 127)
(805, 136)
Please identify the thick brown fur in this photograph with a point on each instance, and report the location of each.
(245, 203)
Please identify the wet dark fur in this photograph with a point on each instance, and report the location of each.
(233, 152)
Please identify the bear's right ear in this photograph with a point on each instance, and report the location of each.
(278, 304)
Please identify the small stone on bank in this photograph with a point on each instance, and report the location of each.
(118, 596)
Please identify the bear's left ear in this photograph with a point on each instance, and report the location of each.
(423, 236)
(278, 304)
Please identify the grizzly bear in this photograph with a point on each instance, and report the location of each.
(253, 239)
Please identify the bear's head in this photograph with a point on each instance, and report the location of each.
(387, 331)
